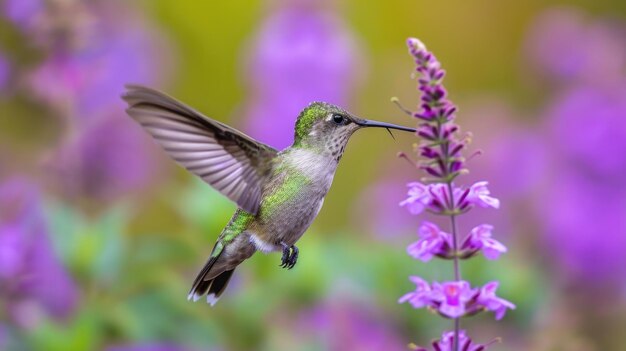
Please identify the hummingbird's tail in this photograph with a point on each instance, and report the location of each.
(212, 287)
(214, 276)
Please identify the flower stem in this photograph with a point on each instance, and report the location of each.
(455, 245)
(457, 268)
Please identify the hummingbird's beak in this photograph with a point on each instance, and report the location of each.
(369, 123)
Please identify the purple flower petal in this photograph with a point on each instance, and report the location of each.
(421, 296)
(446, 343)
(479, 195)
(452, 297)
(439, 194)
(432, 242)
(480, 239)
(488, 299)
(419, 198)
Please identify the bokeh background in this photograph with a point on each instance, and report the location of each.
(101, 234)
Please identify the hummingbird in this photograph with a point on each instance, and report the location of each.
(278, 193)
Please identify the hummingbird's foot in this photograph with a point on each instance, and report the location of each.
(290, 256)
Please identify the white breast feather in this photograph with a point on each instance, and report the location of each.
(312, 164)
(263, 246)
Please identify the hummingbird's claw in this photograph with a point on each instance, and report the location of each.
(294, 256)
(290, 256)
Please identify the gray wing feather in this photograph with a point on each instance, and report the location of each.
(230, 161)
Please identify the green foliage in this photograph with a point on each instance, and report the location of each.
(92, 248)
(81, 334)
(135, 284)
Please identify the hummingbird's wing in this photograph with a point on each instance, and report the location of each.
(230, 161)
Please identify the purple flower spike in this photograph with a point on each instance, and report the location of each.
(491, 302)
(480, 239)
(479, 195)
(433, 242)
(443, 161)
(452, 297)
(421, 296)
(437, 130)
(419, 198)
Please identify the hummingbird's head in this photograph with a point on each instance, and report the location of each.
(328, 127)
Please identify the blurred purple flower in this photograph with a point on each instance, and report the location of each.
(4, 72)
(11, 246)
(584, 220)
(582, 122)
(300, 55)
(584, 229)
(433, 242)
(29, 270)
(84, 81)
(108, 159)
(446, 343)
(480, 239)
(22, 12)
(103, 46)
(565, 45)
(347, 326)
(147, 347)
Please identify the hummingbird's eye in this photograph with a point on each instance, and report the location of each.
(339, 119)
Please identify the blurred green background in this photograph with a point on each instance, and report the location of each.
(101, 234)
